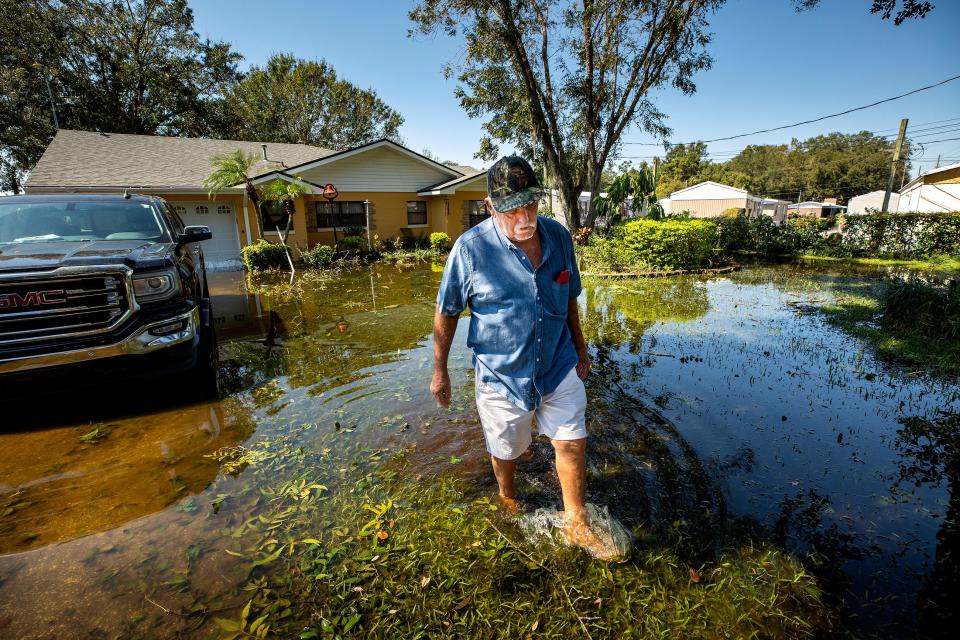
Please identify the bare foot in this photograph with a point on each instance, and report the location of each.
(577, 533)
(509, 505)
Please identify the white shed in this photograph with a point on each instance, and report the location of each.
(859, 205)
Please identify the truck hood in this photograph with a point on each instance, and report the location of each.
(50, 255)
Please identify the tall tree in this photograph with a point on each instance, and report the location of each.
(125, 66)
(562, 80)
(904, 11)
(303, 101)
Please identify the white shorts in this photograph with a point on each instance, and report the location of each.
(506, 427)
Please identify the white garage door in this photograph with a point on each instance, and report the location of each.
(222, 252)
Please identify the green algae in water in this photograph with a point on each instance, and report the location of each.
(381, 554)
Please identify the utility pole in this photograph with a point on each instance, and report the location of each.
(938, 162)
(893, 166)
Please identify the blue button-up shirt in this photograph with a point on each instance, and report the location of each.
(522, 346)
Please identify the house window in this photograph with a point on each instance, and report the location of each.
(416, 212)
(274, 215)
(224, 208)
(340, 214)
(477, 212)
(202, 209)
(180, 209)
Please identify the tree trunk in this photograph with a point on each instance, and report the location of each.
(569, 196)
(593, 186)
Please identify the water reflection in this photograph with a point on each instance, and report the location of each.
(721, 409)
(794, 421)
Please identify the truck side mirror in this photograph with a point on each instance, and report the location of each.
(194, 233)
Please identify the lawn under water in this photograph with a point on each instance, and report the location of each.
(724, 412)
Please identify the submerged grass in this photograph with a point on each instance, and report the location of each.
(908, 322)
(937, 263)
(374, 550)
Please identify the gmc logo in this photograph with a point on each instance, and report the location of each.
(32, 299)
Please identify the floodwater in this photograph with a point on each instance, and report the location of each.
(726, 407)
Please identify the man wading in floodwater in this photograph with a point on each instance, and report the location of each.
(518, 274)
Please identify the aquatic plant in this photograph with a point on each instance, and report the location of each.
(378, 551)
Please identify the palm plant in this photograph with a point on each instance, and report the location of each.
(231, 169)
(286, 193)
(636, 185)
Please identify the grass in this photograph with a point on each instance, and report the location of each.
(904, 336)
(938, 263)
(374, 550)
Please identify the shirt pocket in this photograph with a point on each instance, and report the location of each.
(558, 297)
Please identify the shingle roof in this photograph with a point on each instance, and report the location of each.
(455, 181)
(463, 168)
(90, 159)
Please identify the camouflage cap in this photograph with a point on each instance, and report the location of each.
(512, 183)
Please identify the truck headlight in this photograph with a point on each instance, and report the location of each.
(158, 285)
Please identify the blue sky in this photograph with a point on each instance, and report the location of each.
(772, 66)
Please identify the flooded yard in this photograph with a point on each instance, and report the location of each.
(726, 416)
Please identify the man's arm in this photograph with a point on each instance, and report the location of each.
(444, 327)
(583, 355)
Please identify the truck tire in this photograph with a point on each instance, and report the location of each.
(205, 374)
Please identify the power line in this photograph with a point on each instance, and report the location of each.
(921, 124)
(797, 124)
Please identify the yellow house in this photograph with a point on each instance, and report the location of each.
(382, 185)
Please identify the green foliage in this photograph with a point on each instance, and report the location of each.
(631, 47)
(640, 245)
(833, 165)
(263, 255)
(930, 311)
(760, 234)
(303, 101)
(286, 192)
(440, 241)
(372, 551)
(352, 243)
(903, 234)
(229, 170)
(908, 321)
(124, 67)
(319, 257)
(635, 185)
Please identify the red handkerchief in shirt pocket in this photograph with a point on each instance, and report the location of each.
(563, 277)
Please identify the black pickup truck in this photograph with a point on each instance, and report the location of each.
(96, 287)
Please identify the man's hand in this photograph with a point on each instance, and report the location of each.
(583, 364)
(440, 387)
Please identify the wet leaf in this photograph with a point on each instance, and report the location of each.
(535, 625)
(424, 581)
(354, 619)
(694, 576)
(460, 605)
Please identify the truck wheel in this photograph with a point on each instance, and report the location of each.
(205, 375)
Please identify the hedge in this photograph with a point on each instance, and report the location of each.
(901, 234)
(651, 244)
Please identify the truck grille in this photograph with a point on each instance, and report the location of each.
(37, 308)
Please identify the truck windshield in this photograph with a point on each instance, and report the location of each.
(54, 221)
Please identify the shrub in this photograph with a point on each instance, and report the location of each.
(903, 234)
(419, 241)
(439, 241)
(263, 255)
(351, 243)
(654, 244)
(930, 311)
(762, 235)
(319, 257)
